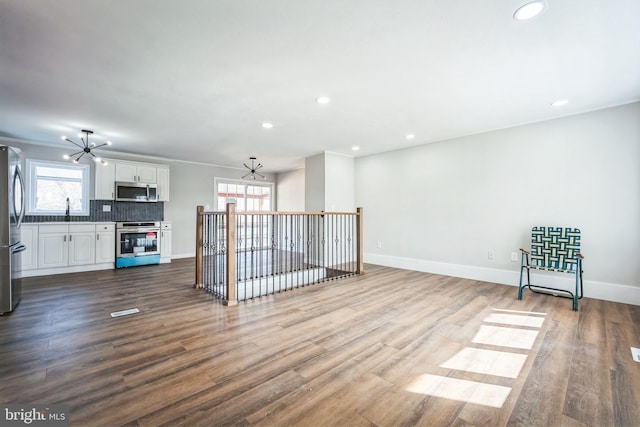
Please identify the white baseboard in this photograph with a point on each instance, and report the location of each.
(68, 269)
(178, 256)
(592, 289)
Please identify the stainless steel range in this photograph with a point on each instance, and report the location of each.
(138, 243)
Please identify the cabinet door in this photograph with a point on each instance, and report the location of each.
(105, 181)
(163, 184)
(147, 174)
(165, 244)
(52, 250)
(82, 248)
(29, 237)
(105, 247)
(126, 172)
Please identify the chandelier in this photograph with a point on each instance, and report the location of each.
(253, 168)
(85, 148)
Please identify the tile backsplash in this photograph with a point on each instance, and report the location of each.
(120, 211)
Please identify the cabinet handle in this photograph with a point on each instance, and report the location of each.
(65, 238)
(97, 237)
(70, 237)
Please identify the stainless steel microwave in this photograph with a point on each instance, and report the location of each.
(136, 192)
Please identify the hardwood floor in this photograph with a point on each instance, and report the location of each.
(390, 348)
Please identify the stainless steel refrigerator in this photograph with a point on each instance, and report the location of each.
(11, 214)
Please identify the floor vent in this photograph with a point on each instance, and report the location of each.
(124, 312)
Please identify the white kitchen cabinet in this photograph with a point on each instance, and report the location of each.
(53, 249)
(61, 245)
(165, 241)
(126, 171)
(105, 243)
(82, 247)
(105, 181)
(162, 175)
(29, 238)
(136, 172)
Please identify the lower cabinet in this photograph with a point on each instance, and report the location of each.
(60, 245)
(29, 237)
(82, 247)
(54, 248)
(165, 241)
(105, 243)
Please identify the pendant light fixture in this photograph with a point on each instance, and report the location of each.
(85, 148)
(253, 168)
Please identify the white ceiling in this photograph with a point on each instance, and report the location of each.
(193, 80)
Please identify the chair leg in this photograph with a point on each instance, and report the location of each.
(520, 287)
(575, 294)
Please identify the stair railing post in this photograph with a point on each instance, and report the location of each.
(231, 255)
(359, 247)
(199, 226)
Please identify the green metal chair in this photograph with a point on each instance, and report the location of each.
(553, 249)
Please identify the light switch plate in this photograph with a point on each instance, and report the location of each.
(635, 353)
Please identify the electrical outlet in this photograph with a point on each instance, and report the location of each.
(514, 256)
(106, 208)
(491, 255)
(379, 244)
(635, 354)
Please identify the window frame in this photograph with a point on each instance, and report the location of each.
(32, 180)
(245, 183)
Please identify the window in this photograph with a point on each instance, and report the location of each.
(50, 184)
(249, 197)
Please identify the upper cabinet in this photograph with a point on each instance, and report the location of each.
(136, 172)
(162, 175)
(126, 171)
(105, 181)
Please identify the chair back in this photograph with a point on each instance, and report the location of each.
(555, 248)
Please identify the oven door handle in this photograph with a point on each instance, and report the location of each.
(138, 230)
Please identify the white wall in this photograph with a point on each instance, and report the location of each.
(339, 183)
(441, 207)
(314, 183)
(290, 191)
(329, 183)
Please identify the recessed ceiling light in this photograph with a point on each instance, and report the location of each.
(355, 148)
(529, 10)
(559, 103)
(409, 136)
(322, 100)
(267, 125)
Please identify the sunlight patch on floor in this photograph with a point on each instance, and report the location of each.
(536, 313)
(484, 361)
(460, 390)
(490, 362)
(505, 337)
(515, 320)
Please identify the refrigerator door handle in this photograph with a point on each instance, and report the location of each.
(22, 196)
(20, 247)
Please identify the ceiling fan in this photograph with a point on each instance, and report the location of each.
(253, 170)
